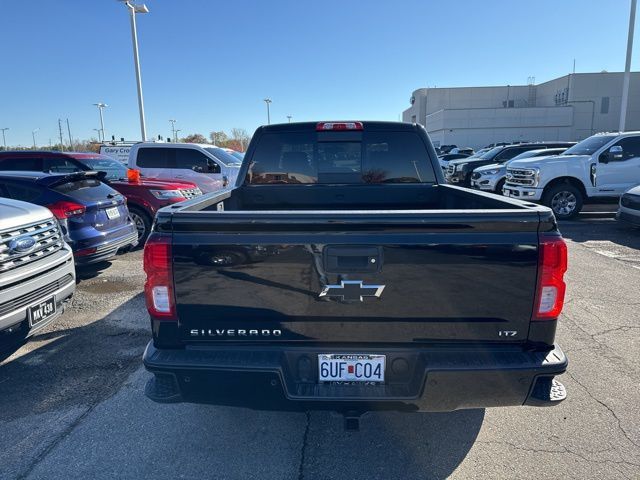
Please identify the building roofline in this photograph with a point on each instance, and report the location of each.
(520, 85)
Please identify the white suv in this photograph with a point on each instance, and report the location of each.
(208, 166)
(603, 165)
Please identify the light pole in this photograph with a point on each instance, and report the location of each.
(627, 67)
(33, 134)
(173, 129)
(133, 9)
(4, 139)
(178, 130)
(289, 117)
(101, 106)
(98, 130)
(268, 102)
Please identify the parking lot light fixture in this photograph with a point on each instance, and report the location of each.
(173, 129)
(4, 138)
(268, 102)
(101, 106)
(133, 9)
(33, 134)
(289, 117)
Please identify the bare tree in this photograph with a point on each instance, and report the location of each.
(241, 136)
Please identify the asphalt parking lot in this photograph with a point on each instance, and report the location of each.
(72, 402)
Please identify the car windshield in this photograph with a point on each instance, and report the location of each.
(238, 155)
(228, 159)
(491, 153)
(114, 169)
(589, 145)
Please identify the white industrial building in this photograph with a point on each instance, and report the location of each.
(572, 107)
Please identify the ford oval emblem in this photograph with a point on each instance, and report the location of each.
(22, 244)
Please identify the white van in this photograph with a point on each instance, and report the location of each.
(208, 166)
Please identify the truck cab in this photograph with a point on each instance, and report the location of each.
(604, 165)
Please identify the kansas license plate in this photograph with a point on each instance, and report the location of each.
(112, 213)
(351, 368)
(42, 311)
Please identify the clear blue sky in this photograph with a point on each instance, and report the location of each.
(209, 63)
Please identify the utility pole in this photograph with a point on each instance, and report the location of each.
(4, 139)
(33, 135)
(60, 130)
(627, 67)
(268, 102)
(173, 130)
(70, 140)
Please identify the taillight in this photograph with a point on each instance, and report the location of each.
(328, 126)
(64, 209)
(158, 288)
(552, 263)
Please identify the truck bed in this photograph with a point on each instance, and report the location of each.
(352, 198)
(258, 259)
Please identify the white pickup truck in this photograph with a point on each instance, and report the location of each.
(604, 165)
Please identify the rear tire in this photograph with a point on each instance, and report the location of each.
(564, 199)
(142, 221)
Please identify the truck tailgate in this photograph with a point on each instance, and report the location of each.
(365, 277)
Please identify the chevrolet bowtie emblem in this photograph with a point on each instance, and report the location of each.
(352, 290)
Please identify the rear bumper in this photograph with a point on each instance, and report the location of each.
(107, 249)
(285, 378)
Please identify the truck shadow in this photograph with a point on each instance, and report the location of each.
(391, 445)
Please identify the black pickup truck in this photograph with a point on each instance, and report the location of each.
(342, 273)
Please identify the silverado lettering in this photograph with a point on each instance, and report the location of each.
(235, 332)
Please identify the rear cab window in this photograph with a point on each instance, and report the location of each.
(340, 157)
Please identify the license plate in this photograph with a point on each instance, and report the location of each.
(42, 311)
(351, 368)
(112, 213)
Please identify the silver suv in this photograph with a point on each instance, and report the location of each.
(37, 273)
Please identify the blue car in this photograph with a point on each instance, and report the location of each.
(93, 216)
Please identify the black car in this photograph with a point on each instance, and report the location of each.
(459, 171)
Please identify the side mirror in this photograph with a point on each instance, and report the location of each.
(213, 167)
(615, 153)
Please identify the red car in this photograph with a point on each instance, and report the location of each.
(144, 196)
